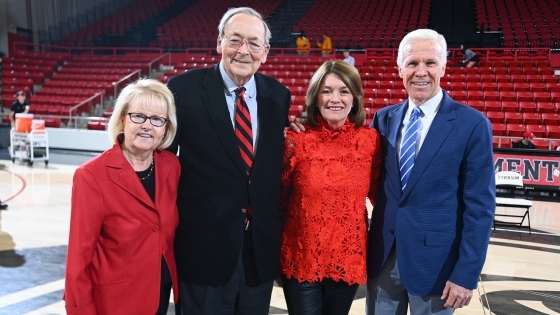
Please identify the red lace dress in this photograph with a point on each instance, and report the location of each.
(327, 176)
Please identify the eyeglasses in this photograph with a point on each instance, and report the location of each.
(156, 121)
(253, 45)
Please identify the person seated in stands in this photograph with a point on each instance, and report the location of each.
(469, 57)
(347, 58)
(526, 142)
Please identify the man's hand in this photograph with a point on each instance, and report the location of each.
(297, 125)
(456, 296)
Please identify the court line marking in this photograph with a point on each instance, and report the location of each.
(24, 184)
(31, 293)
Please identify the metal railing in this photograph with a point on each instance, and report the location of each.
(126, 80)
(168, 55)
(82, 103)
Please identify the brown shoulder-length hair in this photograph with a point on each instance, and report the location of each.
(351, 78)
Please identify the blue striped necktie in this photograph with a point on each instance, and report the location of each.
(408, 146)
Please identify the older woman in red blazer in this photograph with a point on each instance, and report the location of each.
(120, 253)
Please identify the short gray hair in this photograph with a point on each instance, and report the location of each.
(154, 96)
(244, 10)
(422, 35)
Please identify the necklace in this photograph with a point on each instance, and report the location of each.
(151, 170)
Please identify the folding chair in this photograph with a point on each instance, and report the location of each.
(512, 181)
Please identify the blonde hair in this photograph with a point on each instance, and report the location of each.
(152, 95)
(351, 78)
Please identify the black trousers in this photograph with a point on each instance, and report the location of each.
(327, 297)
(244, 293)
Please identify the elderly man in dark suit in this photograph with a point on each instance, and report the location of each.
(432, 218)
(230, 136)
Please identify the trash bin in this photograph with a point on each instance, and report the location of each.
(4, 135)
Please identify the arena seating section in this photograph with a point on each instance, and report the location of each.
(66, 81)
(368, 23)
(534, 22)
(116, 23)
(196, 27)
(516, 89)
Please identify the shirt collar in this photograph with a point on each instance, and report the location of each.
(430, 107)
(230, 86)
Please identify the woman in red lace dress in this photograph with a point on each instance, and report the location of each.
(329, 170)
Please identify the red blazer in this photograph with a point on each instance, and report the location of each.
(118, 235)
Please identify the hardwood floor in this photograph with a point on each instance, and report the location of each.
(519, 277)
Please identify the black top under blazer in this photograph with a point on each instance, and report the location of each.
(214, 187)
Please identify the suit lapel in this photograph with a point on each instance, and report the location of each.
(439, 131)
(215, 102)
(266, 120)
(125, 177)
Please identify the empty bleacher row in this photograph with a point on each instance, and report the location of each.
(196, 27)
(83, 80)
(528, 22)
(117, 22)
(372, 24)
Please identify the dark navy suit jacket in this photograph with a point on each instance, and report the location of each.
(442, 221)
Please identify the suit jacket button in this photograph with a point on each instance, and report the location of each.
(155, 228)
(249, 182)
(243, 210)
(391, 232)
(401, 205)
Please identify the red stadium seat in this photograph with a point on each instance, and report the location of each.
(517, 78)
(538, 130)
(508, 95)
(553, 131)
(478, 105)
(510, 106)
(513, 118)
(495, 117)
(499, 130)
(502, 78)
(493, 106)
(487, 78)
(515, 130)
(524, 96)
(550, 119)
(505, 86)
(532, 118)
(476, 95)
(538, 87)
(533, 78)
(541, 144)
(492, 95)
(521, 87)
(553, 87)
(527, 107)
(546, 107)
(541, 97)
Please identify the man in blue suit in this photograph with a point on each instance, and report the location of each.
(432, 219)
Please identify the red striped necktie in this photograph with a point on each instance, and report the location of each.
(243, 128)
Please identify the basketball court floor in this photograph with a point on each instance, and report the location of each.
(521, 274)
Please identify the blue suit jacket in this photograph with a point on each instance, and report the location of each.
(442, 220)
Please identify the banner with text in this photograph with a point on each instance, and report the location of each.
(536, 170)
